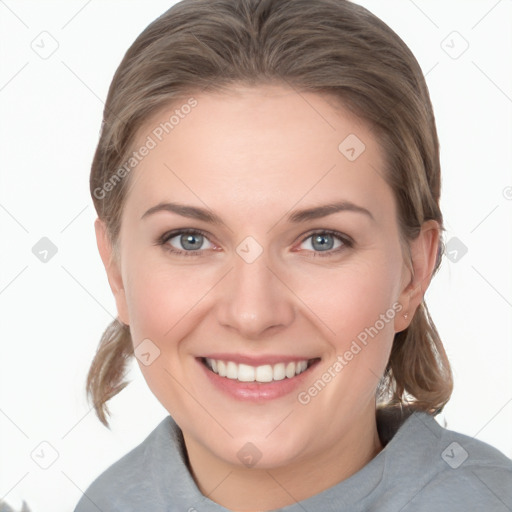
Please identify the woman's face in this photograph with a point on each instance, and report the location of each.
(277, 260)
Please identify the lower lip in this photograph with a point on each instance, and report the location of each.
(256, 391)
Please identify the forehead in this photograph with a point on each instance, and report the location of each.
(257, 147)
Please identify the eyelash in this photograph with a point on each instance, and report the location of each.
(171, 234)
(348, 243)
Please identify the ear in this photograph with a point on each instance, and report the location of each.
(112, 266)
(423, 250)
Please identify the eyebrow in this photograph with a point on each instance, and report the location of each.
(192, 212)
(327, 209)
(202, 214)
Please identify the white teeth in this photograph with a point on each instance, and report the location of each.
(300, 367)
(245, 373)
(221, 367)
(290, 370)
(231, 370)
(263, 373)
(279, 372)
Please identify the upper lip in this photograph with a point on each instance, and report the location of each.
(258, 360)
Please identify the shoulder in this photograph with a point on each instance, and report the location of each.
(126, 481)
(445, 470)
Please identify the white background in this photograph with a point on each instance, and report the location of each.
(53, 314)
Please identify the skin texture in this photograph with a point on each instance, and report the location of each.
(252, 157)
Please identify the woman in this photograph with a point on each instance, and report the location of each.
(267, 186)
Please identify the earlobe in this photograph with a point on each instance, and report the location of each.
(423, 250)
(112, 268)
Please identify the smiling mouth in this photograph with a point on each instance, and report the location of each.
(263, 373)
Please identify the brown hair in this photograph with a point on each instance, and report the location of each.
(334, 47)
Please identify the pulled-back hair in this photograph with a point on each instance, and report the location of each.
(322, 46)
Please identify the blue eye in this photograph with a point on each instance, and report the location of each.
(185, 241)
(192, 242)
(326, 242)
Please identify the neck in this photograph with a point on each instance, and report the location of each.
(239, 488)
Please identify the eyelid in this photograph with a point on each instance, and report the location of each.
(168, 235)
(347, 242)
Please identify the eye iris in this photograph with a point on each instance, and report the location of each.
(191, 241)
(322, 242)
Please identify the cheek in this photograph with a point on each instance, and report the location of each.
(351, 298)
(163, 303)
(357, 307)
(161, 296)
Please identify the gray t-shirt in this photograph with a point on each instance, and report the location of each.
(423, 467)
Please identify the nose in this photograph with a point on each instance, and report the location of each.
(254, 300)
